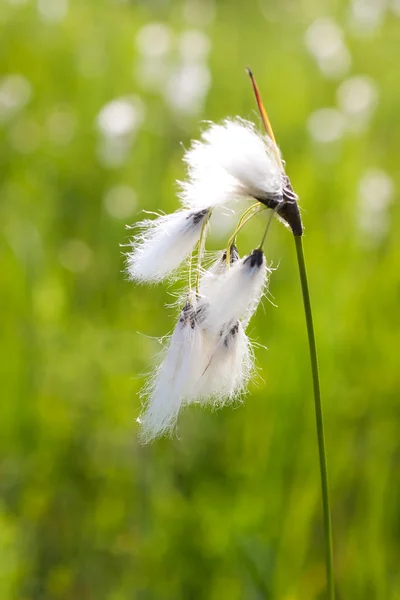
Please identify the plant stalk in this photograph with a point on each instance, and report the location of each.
(319, 418)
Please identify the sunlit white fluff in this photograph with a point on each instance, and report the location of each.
(234, 295)
(226, 296)
(209, 358)
(231, 161)
(230, 363)
(211, 276)
(173, 382)
(162, 244)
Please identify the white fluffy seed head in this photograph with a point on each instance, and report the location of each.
(234, 295)
(209, 358)
(173, 382)
(226, 296)
(218, 268)
(231, 161)
(162, 244)
(229, 367)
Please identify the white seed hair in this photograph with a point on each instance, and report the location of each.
(232, 161)
(162, 244)
(228, 369)
(209, 358)
(230, 360)
(234, 295)
(211, 276)
(172, 384)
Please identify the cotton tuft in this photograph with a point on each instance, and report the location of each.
(235, 294)
(174, 379)
(163, 244)
(209, 358)
(228, 297)
(212, 275)
(230, 364)
(232, 161)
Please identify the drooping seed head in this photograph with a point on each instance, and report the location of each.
(162, 244)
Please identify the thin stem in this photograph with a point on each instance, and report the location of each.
(200, 250)
(319, 418)
(246, 212)
(190, 274)
(271, 216)
(245, 218)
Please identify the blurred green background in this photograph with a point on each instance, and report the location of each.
(96, 100)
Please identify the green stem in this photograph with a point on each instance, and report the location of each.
(245, 218)
(319, 418)
(200, 251)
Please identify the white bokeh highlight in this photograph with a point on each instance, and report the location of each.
(326, 125)
(375, 196)
(357, 97)
(15, 94)
(324, 40)
(120, 201)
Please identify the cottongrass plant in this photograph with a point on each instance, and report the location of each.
(208, 358)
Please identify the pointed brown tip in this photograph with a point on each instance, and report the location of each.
(249, 71)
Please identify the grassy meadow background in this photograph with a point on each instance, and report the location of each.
(97, 100)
